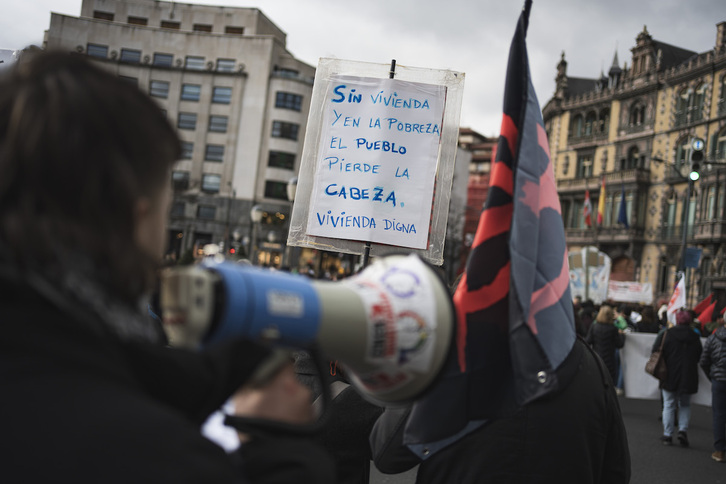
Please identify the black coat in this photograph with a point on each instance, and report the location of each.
(682, 351)
(81, 405)
(605, 339)
(574, 436)
(713, 359)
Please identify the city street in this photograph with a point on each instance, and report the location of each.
(651, 461)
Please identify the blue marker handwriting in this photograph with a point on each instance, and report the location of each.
(347, 120)
(379, 145)
(339, 164)
(344, 220)
(375, 194)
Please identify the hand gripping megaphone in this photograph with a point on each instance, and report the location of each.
(390, 325)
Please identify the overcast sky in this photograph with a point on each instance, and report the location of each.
(468, 36)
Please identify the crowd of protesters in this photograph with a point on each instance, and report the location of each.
(605, 328)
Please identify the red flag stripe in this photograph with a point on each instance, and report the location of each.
(548, 295)
(471, 301)
(510, 132)
(493, 221)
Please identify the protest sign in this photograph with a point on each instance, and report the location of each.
(376, 167)
(378, 160)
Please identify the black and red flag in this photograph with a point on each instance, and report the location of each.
(515, 315)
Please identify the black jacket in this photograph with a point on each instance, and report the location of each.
(713, 359)
(81, 405)
(574, 436)
(605, 339)
(681, 350)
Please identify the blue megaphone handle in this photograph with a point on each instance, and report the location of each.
(257, 301)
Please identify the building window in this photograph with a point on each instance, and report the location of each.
(577, 220)
(637, 115)
(682, 153)
(218, 124)
(633, 159)
(720, 148)
(131, 80)
(194, 63)
(178, 209)
(279, 159)
(222, 95)
(711, 204)
(130, 56)
(565, 210)
(225, 65)
(103, 15)
(276, 189)
(697, 106)
(97, 50)
(604, 121)
(159, 89)
(137, 20)
(180, 180)
(191, 92)
(584, 166)
(168, 24)
(576, 127)
(163, 60)
(285, 72)
(214, 153)
(280, 129)
(202, 28)
(234, 30)
(288, 100)
(206, 212)
(590, 123)
(187, 121)
(211, 183)
(187, 149)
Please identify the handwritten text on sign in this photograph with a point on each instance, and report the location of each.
(375, 171)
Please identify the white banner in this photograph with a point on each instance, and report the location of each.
(639, 384)
(636, 292)
(374, 177)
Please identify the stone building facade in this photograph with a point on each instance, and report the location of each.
(630, 132)
(239, 99)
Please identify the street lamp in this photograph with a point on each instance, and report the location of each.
(255, 217)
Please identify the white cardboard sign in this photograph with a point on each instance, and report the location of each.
(375, 171)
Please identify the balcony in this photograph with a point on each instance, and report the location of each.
(633, 175)
(673, 234)
(684, 118)
(603, 235)
(587, 139)
(635, 128)
(711, 231)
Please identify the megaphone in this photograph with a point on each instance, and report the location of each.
(390, 325)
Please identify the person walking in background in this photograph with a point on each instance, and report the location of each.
(648, 322)
(681, 350)
(713, 362)
(605, 338)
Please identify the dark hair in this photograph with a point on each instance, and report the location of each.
(78, 147)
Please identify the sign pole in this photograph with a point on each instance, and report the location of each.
(367, 250)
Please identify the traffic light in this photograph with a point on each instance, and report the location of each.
(696, 158)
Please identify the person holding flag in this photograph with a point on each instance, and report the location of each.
(517, 375)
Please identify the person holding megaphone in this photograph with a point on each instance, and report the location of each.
(90, 392)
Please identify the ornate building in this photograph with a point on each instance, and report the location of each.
(629, 132)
